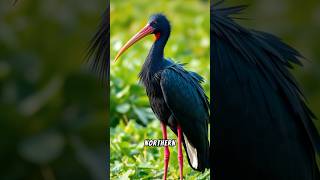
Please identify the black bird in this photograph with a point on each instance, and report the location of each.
(262, 127)
(176, 97)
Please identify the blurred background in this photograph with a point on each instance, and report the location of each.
(131, 118)
(52, 110)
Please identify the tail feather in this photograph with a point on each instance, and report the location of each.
(198, 157)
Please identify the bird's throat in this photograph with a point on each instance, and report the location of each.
(157, 49)
(156, 36)
(154, 61)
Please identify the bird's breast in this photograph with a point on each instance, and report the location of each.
(151, 82)
(159, 107)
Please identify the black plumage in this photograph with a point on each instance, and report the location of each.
(176, 96)
(188, 105)
(98, 56)
(262, 127)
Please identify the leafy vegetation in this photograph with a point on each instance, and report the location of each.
(131, 159)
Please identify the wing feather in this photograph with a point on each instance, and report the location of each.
(262, 125)
(189, 105)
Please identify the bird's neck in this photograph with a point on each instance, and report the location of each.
(156, 52)
(155, 57)
(157, 49)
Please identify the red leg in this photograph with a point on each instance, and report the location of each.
(166, 151)
(180, 156)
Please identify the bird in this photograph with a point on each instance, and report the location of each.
(262, 126)
(176, 97)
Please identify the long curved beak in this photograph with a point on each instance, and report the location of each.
(142, 33)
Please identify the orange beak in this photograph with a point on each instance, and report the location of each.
(142, 33)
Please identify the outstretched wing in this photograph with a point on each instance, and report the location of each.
(188, 103)
(258, 106)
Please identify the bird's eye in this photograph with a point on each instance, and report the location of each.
(154, 23)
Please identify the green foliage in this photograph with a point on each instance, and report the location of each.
(131, 159)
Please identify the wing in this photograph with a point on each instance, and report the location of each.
(98, 54)
(188, 104)
(258, 106)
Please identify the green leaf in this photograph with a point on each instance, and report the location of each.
(123, 108)
(142, 114)
(123, 92)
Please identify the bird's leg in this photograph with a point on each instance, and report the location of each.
(180, 156)
(166, 150)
